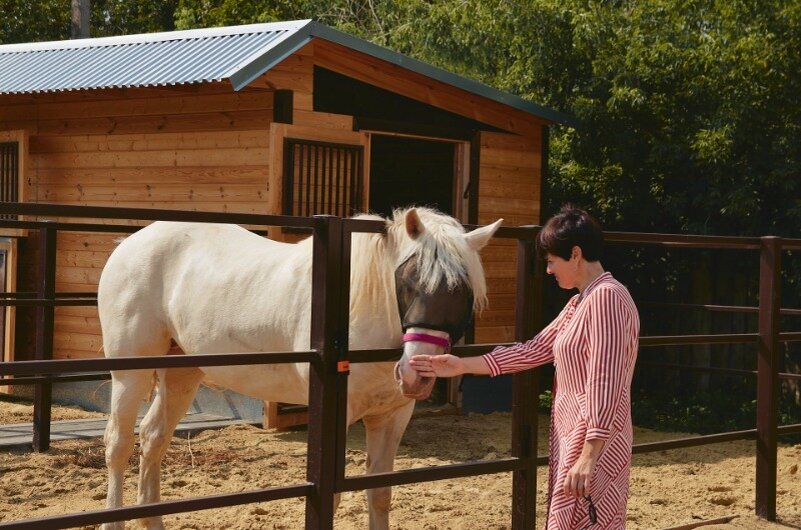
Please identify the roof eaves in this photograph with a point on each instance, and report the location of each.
(249, 69)
(470, 85)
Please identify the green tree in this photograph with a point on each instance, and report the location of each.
(48, 20)
(687, 109)
(24, 21)
(367, 19)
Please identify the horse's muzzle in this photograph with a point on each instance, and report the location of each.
(411, 384)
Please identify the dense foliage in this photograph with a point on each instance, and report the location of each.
(688, 109)
(44, 20)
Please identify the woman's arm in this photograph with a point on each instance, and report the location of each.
(611, 340)
(532, 353)
(448, 365)
(501, 360)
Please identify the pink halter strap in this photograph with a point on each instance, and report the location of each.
(425, 337)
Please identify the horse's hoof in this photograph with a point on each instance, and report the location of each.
(152, 524)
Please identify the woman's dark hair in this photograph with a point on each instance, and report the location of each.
(572, 227)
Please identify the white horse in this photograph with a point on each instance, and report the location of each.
(220, 288)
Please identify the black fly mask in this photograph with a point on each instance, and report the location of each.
(443, 309)
(436, 311)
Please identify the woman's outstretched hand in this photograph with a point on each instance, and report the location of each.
(445, 365)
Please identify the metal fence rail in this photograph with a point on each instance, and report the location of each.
(329, 359)
(328, 379)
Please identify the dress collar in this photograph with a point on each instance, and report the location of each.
(593, 284)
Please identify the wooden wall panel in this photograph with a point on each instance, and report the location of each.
(295, 73)
(187, 148)
(509, 187)
(143, 104)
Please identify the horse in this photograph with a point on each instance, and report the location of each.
(214, 288)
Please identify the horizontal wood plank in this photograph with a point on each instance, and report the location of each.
(159, 158)
(168, 193)
(62, 351)
(167, 175)
(495, 334)
(201, 121)
(87, 342)
(150, 142)
(82, 325)
(147, 105)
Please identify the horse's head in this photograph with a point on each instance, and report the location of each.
(439, 283)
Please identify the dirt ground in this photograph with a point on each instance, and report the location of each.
(669, 488)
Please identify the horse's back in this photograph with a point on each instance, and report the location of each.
(196, 283)
(142, 262)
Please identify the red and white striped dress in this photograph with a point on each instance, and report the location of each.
(593, 345)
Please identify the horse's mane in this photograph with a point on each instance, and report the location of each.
(440, 252)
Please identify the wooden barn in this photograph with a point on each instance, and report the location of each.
(281, 118)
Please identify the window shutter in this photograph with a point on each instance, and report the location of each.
(322, 178)
(9, 174)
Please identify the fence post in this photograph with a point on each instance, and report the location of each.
(323, 421)
(525, 390)
(767, 376)
(341, 344)
(45, 314)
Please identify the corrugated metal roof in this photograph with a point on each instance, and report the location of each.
(169, 58)
(237, 53)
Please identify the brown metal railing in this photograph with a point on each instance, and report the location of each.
(328, 381)
(767, 340)
(327, 385)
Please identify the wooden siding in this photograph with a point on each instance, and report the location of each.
(193, 148)
(509, 187)
(206, 147)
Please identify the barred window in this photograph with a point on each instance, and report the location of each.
(322, 178)
(9, 174)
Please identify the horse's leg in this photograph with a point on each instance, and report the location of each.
(128, 389)
(384, 434)
(176, 390)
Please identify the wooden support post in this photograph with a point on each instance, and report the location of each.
(767, 376)
(281, 417)
(525, 391)
(342, 348)
(45, 314)
(323, 407)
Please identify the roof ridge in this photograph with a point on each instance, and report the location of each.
(164, 36)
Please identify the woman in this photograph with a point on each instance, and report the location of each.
(593, 345)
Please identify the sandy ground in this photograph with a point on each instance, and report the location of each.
(668, 488)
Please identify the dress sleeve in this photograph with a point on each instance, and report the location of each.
(609, 335)
(523, 355)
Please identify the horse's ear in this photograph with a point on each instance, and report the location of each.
(478, 238)
(414, 226)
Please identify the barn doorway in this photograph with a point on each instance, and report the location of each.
(408, 171)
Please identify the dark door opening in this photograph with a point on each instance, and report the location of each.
(409, 171)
